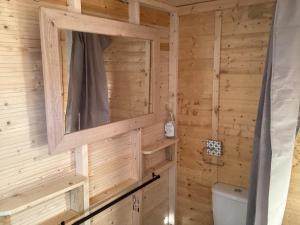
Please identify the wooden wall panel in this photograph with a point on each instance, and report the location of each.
(242, 66)
(119, 10)
(110, 163)
(292, 212)
(126, 61)
(244, 39)
(152, 134)
(24, 159)
(195, 178)
(112, 8)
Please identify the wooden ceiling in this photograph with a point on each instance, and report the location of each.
(183, 2)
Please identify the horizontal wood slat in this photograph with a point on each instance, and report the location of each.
(22, 201)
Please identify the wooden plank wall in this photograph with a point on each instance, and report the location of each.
(245, 34)
(244, 39)
(196, 41)
(292, 212)
(128, 77)
(24, 159)
(110, 163)
(155, 208)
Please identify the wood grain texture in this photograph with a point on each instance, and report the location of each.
(179, 3)
(128, 77)
(134, 11)
(111, 162)
(292, 211)
(218, 5)
(239, 100)
(43, 213)
(244, 40)
(173, 107)
(119, 10)
(195, 178)
(159, 5)
(23, 200)
(157, 146)
(24, 162)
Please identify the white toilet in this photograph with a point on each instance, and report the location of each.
(229, 204)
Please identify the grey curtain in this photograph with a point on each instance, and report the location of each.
(87, 104)
(262, 154)
(277, 119)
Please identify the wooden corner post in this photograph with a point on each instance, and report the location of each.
(173, 80)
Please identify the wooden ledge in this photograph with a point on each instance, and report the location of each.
(64, 216)
(159, 145)
(47, 191)
(159, 168)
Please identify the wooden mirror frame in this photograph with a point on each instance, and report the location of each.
(51, 21)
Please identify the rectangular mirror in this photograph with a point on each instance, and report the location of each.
(106, 79)
(100, 77)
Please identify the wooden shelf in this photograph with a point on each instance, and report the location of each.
(28, 199)
(159, 145)
(64, 216)
(160, 167)
(113, 192)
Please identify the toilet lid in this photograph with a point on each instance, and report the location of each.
(231, 192)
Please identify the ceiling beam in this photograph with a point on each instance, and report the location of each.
(217, 5)
(158, 5)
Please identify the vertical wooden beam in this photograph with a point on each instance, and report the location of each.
(74, 5)
(216, 75)
(82, 168)
(134, 17)
(173, 62)
(81, 158)
(80, 198)
(136, 137)
(173, 80)
(134, 11)
(138, 174)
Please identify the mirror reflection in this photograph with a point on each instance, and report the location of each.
(105, 78)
